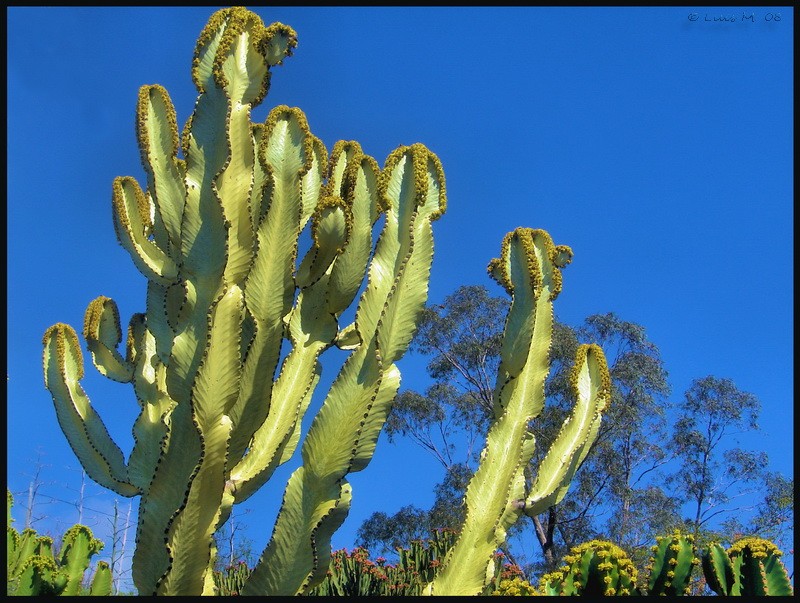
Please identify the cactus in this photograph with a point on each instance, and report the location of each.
(33, 570)
(354, 574)
(671, 564)
(529, 269)
(217, 234)
(594, 568)
(230, 582)
(514, 587)
(750, 567)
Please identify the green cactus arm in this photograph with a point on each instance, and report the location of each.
(752, 577)
(312, 180)
(331, 448)
(776, 578)
(166, 310)
(38, 576)
(286, 153)
(102, 581)
(371, 430)
(12, 547)
(311, 329)
(102, 333)
(286, 563)
(527, 270)
(24, 546)
(591, 383)
(203, 245)
(331, 225)
(235, 51)
(757, 568)
(44, 546)
(353, 177)
(671, 565)
(412, 189)
(214, 392)
(85, 431)
(133, 222)
(78, 546)
(233, 187)
(157, 133)
(718, 570)
(165, 496)
(150, 430)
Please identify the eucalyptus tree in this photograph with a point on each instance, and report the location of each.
(715, 475)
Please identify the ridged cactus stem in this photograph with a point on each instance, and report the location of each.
(750, 567)
(529, 268)
(594, 568)
(217, 233)
(671, 565)
(343, 435)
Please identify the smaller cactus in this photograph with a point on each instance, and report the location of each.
(354, 574)
(230, 582)
(514, 587)
(671, 565)
(594, 568)
(33, 570)
(751, 567)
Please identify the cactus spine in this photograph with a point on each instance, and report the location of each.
(217, 234)
(530, 270)
(751, 567)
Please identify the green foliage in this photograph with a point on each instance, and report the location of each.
(711, 411)
(33, 570)
(750, 567)
(775, 512)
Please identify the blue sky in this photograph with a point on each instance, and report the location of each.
(658, 147)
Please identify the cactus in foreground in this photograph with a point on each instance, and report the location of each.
(34, 570)
(217, 232)
(594, 568)
(671, 564)
(751, 567)
(529, 268)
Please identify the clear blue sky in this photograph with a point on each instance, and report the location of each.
(658, 147)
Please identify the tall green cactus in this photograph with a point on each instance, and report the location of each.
(751, 567)
(529, 269)
(217, 233)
